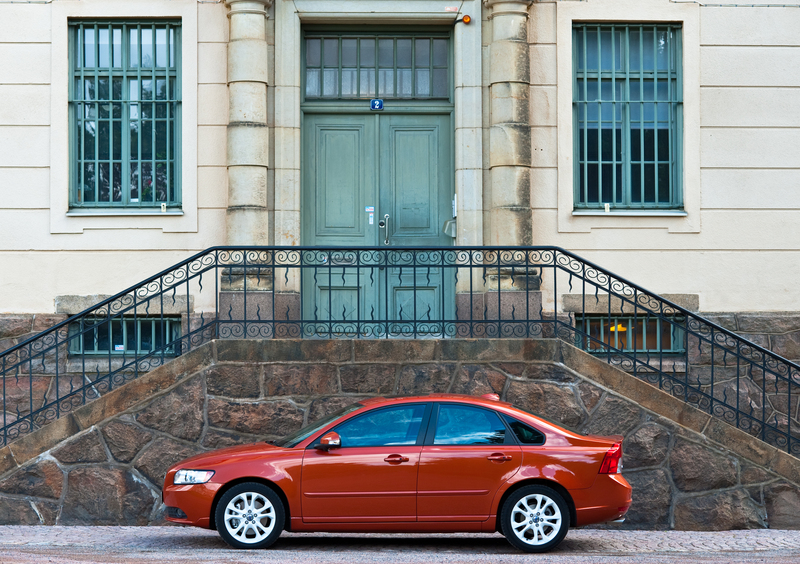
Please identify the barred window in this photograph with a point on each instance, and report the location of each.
(628, 106)
(124, 336)
(125, 114)
(629, 334)
(402, 65)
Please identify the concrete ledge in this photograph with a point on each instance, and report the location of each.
(575, 303)
(42, 440)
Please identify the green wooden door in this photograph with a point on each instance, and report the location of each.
(379, 180)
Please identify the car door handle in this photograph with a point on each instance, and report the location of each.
(498, 457)
(395, 458)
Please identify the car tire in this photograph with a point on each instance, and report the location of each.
(250, 515)
(534, 518)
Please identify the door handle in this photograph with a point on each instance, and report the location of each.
(395, 458)
(384, 224)
(498, 457)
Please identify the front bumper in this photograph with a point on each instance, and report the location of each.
(195, 501)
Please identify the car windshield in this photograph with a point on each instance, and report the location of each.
(291, 441)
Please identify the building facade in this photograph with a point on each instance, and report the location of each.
(658, 138)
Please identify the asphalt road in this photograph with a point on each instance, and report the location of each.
(123, 545)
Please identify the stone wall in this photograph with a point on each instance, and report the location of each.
(105, 462)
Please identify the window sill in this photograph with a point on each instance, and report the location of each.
(632, 213)
(127, 213)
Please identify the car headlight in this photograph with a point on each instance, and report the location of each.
(183, 477)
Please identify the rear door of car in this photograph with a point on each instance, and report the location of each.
(468, 454)
(372, 477)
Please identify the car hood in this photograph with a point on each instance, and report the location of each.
(226, 454)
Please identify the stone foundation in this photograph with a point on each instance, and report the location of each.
(105, 462)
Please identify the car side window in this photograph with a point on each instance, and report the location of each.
(392, 426)
(464, 425)
(525, 434)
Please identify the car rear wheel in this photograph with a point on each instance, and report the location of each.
(250, 515)
(535, 518)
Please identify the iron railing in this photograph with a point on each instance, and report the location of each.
(452, 292)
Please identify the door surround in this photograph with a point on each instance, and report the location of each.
(468, 110)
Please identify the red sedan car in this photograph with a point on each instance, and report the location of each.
(437, 463)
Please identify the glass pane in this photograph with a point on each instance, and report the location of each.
(330, 82)
(423, 53)
(130, 335)
(461, 425)
(403, 53)
(349, 52)
(383, 427)
(88, 182)
(386, 82)
(386, 53)
(146, 329)
(161, 182)
(331, 52)
(116, 182)
(161, 47)
(605, 50)
(663, 144)
(147, 183)
(147, 89)
(440, 52)
(117, 140)
(312, 82)
(367, 49)
(103, 47)
(663, 183)
(134, 48)
(103, 139)
(147, 140)
(404, 83)
(172, 48)
(103, 182)
(649, 183)
(648, 49)
(88, 47)
(147, 47)
(367, 83)
(423, 82)
(134, 198)
(635, 39)
(312, 52)
(526, 434)
(440, 89)
(349, 83)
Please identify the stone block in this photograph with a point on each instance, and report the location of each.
(750, 474)
(420, 379)
(277, 418)
(783, 505)
(509, 145)
(551, 401)
(590, 395)
(390, 350)
(511, 186)
(248, 102)
(178, 413)
(509, 61)
(511, 226)
(542, 23)
(543, 106)
(724, 320)
(598, 305)
(510, 306)
(721, 511)
(157, 458)
(647, 446)
(543, 67)
(284, 350)
(376, 379)
(106, 496)
(767, 322)
(212, 63)
(25, 394)
(18, 512)
(696, 468)
(247, 61)
(15, 325)
(652, 499)
(152, 307)
(125, 440)
(614, 416)
(234, 380)
(509, 102)
(784, 464)
(478, 379)
(220, 439)
(323, 407)
(502, 350)
(40, 479)
(42, 440)
(300, 379)
(84, 449)
(787, 345)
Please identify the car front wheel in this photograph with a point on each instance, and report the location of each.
(535, 518)
(250, 515)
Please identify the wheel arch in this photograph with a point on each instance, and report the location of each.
(270, 484)
(573, 516)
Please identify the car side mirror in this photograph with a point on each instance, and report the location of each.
(329, 441)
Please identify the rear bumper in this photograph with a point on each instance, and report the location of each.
(607, 500)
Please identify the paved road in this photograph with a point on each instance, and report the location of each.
(124, 545)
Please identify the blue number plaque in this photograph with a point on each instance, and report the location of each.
(376, 104)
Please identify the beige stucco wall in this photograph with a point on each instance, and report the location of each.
(738, 245)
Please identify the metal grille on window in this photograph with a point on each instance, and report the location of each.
(125, 104)
(628, 115)
(629, 333)
(124, 336)
(380, 66)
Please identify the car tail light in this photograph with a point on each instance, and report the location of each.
(612, 463)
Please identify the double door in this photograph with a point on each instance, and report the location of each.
(383, 181)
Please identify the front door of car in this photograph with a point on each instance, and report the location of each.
(372, 477)
(467, 456)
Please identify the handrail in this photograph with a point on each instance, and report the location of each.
(385, 292)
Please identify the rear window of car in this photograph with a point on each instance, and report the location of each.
(525, 434)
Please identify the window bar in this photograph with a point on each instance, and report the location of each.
(613, 115)
(641, 114)
(585, 162)
(599, 163)
(169, 197)
(627, 171)
(154, 121)
(670, 118)
(139, 116)
(655, 114)
(96, 122)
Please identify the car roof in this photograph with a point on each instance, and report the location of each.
(462, 398)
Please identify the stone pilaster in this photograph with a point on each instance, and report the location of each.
(248, 135)
(510, 132)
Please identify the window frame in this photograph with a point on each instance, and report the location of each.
(430, 434)
(126, 72)
(678, 334)
(675, 121)
(420, 433)
(173, 331)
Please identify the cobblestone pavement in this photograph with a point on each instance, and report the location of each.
(123, 545)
